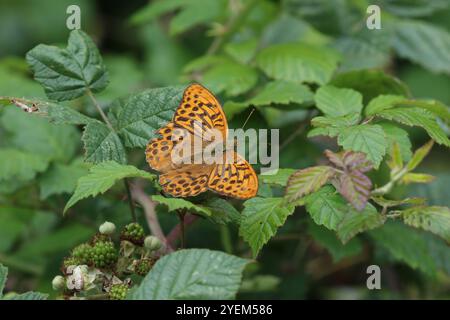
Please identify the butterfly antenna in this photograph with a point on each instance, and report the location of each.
(248, 118)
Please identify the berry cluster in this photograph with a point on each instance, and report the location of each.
(118, 292)
(134, 233)
(98, 267)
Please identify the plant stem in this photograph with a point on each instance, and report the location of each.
(226, 239)
(149, 209)
(233, 26)
(130, 199)
(108, 123)
(174, 235)
(388, 186)
(99, 109)
(182, 235)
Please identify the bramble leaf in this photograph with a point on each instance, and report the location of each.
(102, 144)
(366, 138)
(297, 63)
(434, 219)
(413, 116)
(174, 204)
(68, 73)
(306, 181)
(192, 274)
(141, 115)
(326, 207)
(102, 177)
(337, 102)
(356, 222)
(260, 220)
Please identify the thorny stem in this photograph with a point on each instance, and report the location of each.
(108, 123)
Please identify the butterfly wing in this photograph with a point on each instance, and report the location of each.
(158, 151)
(187, 181)
(200, 107)
(235, 179)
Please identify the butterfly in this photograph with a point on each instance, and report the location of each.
(199, 115)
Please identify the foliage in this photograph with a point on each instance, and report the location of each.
(312, 70)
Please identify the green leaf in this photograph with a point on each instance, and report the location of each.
(20, 165)
(406, 245)
(222, 211)
(61, 178)
(437, 108)
(367, 138)
(195, 12)
(174, 204)
(306, 181)
(397, 135)
(68, 73)
(370, 83)
(192, 274)
(279, 178)
(3, 278)
(417, 178)
(297, 63)
(382, 102)
(281, 93)
(417, 117)
(423, 43)
(339, 122)
(419, 155)
(356, 222)
(36, 135)
(101, 144)
(102, 177)
(337, 102)
(329, 241)
(242, 51)
(434, 219)
(260, 220)
(394, 203)
(326, 207)
(143, 114)
(30, 295)
(230, 77)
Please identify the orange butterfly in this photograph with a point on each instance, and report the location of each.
(198, 114)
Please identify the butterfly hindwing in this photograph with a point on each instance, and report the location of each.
(236, 179)
(186, 181)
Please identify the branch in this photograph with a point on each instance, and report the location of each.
(99, 109)
(149, 209)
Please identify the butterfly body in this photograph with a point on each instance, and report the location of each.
(199, 124)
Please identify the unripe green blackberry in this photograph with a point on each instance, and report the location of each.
(134, 233)
(107, 228)
(104, 254)
(152, 243)
(83, 253)
(143, 266)
(118, 292)
(100, 238)
(58, 283)
(70, 261)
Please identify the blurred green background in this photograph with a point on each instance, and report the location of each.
(304, 260)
